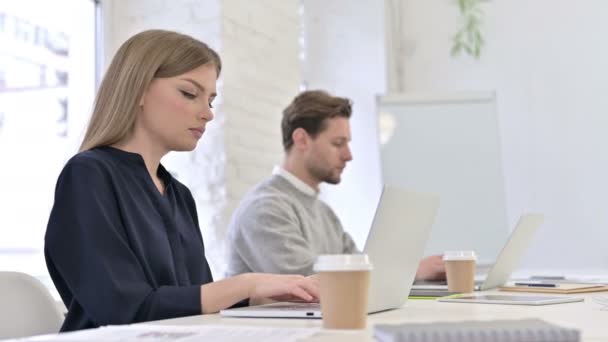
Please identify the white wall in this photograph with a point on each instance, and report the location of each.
(345, 55)
(548, 62)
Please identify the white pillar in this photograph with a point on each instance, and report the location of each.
(345, 55)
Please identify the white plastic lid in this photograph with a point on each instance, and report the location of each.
(459, 255)
(342, 262)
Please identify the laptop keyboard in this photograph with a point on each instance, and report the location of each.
(292, 306)
(440, 282)
(431, 282)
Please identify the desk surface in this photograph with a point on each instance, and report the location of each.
(587, 316)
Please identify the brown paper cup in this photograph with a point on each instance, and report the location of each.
(344, 282)
(460, 270)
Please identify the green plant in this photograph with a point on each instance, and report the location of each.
(469, 38)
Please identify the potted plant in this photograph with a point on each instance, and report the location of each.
(469, 39)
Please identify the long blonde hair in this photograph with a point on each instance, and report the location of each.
(143, 57)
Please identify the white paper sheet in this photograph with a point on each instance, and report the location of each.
(189, 333)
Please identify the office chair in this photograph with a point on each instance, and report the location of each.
(26, 307)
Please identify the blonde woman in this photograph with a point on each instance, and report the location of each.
(123, 243)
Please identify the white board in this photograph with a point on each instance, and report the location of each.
(449, 144)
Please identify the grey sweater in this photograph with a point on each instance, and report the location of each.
(279, 229)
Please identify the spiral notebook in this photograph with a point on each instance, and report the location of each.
(528, 330)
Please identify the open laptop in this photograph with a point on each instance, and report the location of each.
(506, 262)
(395, 244)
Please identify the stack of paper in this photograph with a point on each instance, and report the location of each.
(163, 333)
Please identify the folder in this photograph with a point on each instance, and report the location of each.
(561, 288)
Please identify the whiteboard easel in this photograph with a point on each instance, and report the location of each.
(449, 144)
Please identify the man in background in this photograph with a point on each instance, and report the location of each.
(281, 226)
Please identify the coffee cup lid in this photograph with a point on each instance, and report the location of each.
(459, 255)
(342, 262)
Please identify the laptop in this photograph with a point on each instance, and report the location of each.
(506, 262)
(395, 244)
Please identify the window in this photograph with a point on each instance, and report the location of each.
(40, 36)
(24, 31)
(47, 85)
(2, 20)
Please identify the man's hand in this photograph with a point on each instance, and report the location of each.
(431, 268)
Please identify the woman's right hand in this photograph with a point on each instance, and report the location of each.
(283, 287)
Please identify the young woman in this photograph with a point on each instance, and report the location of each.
(123, 243)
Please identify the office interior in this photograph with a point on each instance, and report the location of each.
(541, 64)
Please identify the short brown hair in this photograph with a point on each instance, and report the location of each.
(310, 111)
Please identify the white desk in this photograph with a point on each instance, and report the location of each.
(586, 316)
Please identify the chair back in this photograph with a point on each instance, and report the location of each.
(26, 307)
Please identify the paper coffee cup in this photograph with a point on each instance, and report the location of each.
(460, 270)
(344, 285)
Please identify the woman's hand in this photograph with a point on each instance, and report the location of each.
(283, 287)
(257, 287)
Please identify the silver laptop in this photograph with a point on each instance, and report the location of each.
(507, 260)
(395, 244)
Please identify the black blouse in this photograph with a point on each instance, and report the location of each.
(117, 249)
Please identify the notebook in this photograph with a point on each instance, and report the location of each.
(507, 260)
(511, 299)
(563, 288)
(528, 330)
(395, 244)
